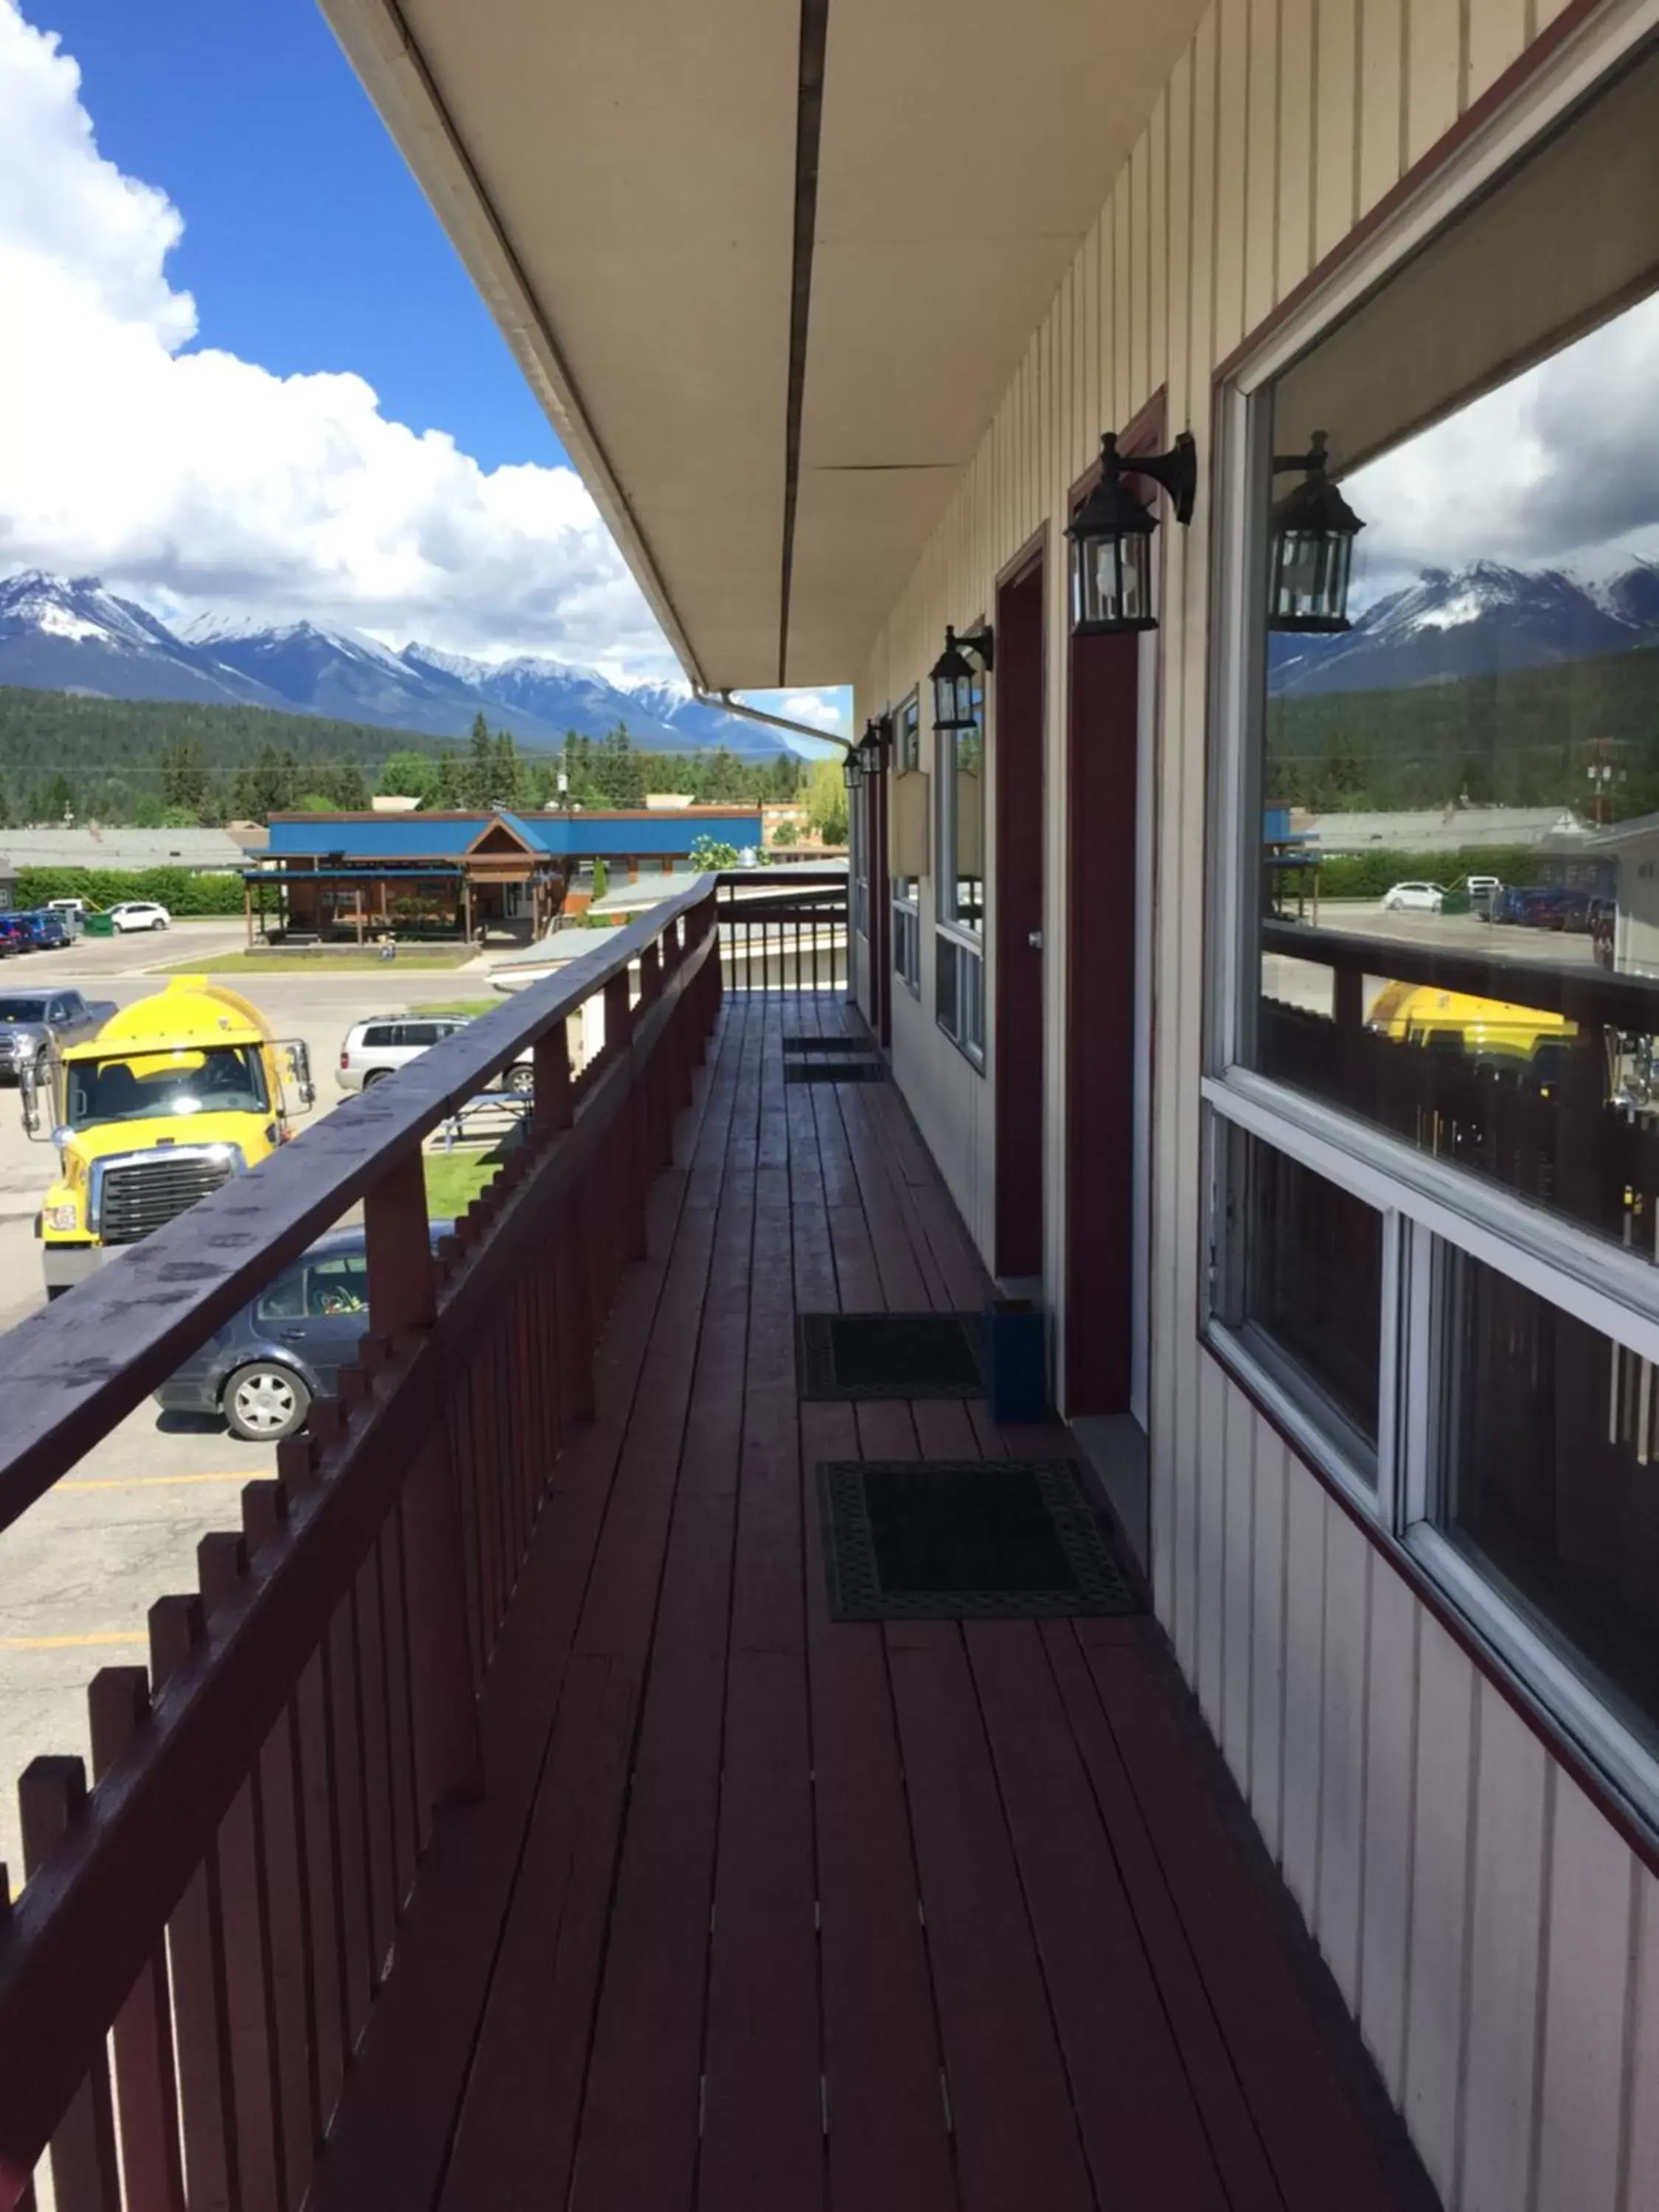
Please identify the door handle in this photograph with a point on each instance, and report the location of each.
(1034, 939)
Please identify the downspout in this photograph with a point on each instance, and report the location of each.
(724, 699)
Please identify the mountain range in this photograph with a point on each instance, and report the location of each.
(1448, 624)
(70, 633)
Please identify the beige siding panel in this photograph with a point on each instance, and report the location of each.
(1233, 73)
(1381, 43)
(1335, 122)
(1158, 304)
(1140, 274)
(1237, 1595)
(1591, 1912)
(1446, 1747)
(1267, 1636)
(1505, 1907)
(1498, 32)
(1295, 227)
(1342, 1759)
(1304, 1674)
(1123, 380)
(1546, 11)
(1261, 165)
(1213, 1393)
(1435, 78)
(1643, 2187)
(1390, 1794)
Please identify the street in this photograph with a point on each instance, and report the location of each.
(80, 1570)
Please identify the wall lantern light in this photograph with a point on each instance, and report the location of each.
(1111, 535)
(1313, 529)
(954, 681)
(851, 769)
(872, 749)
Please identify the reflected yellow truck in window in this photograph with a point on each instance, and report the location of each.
(1484, 1028)
(177, 1093)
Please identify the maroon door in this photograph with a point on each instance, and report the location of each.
(1019, 923)
(1101, 918)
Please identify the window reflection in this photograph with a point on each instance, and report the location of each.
(1458, 897)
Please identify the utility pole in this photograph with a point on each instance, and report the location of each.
(1603, 774)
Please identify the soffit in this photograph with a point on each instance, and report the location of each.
(622, 182)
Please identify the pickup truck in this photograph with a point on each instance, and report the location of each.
(33, 1024)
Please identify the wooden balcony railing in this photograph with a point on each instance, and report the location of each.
(203, 1932)
(786, 934)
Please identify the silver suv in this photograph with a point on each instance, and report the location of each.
(379, 1047)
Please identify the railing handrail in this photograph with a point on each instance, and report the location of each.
(1586, 992)
(68, 1376)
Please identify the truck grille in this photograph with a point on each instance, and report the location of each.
(138, 1194)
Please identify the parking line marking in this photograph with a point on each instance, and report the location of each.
(73, 1642)
(145, 1482)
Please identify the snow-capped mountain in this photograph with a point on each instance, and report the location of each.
(71, 634)
(1447, 625)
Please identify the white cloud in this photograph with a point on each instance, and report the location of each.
(1558, 467)
(195, 480)
(830, 710)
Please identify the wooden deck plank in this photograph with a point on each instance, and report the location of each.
(393, 2134)
(1017, 2136)
(1323, 2151)
(1141, 2126)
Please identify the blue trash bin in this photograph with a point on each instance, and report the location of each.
(1015, 1345)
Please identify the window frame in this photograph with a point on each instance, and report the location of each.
(1427, 1207)
(967, 944)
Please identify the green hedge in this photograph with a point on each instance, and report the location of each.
(177, 890)
(1369, 875)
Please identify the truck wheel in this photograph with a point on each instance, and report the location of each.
(521, 1082)
(265, 1401)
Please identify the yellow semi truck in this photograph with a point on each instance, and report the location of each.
(176, 1093)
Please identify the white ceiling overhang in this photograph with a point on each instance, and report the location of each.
(770, 327)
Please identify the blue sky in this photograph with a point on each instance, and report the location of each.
(245, 373)
(308, 243)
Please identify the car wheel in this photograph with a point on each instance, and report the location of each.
(265, 1401)
(521, 1082)
(375, 1075)
(158, 925)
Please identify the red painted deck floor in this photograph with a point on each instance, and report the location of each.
(762, 1911)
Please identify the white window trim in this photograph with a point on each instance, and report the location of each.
(1421, 1198)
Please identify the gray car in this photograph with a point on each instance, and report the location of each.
(260, 1372)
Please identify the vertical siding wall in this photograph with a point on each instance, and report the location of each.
(1498, 1941)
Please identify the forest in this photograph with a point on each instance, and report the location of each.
(157, 763)
(1525, 738)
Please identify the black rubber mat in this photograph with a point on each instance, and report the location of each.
(886, 1355)
(965, 1540)
(834, 1070)
(848, 1047)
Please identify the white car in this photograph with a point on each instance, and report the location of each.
(138, 914)
(1413, 898)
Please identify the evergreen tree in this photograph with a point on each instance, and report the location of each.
(184, 777)
(267, 786)
(449, 796)
(53, 798)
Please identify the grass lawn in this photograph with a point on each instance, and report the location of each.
(325, 960)
(454, 1179)
(468, 1006)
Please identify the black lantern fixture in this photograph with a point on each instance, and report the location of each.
(954, 681)
(1111, 535)
(851, 769)
(1313, 529)
(871, 749)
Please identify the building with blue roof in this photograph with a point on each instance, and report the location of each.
(362, 875)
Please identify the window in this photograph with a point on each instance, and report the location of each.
(335, 1287)
(1433, 1037)
(907, 890)
(959, 882)
(285, 1299)
(1306, 1261)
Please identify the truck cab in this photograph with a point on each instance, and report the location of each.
(177, 1093)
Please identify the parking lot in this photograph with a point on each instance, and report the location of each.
(1307, 983)
(79, 1572)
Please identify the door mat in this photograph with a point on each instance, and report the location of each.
(850, 1047)
(885, 1355)
(834, 1070)
(965, 1540)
